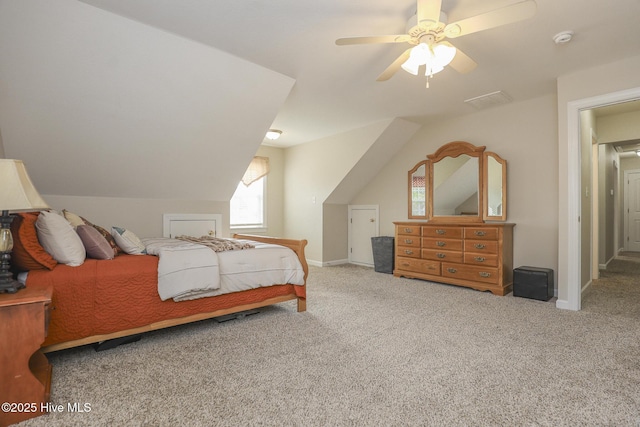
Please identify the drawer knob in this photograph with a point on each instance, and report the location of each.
(441, 243)
(480, 233)
(452, 270)
(440, 255)
(479, 246)
(479, 259)
(439, 231)
(408, 230)
(408, 252)
(484, 274)
(408, 241)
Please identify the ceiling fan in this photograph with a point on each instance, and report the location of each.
(428, 34)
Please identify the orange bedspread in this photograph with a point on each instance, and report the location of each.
(107, 296)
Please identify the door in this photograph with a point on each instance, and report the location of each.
(632, 191)
(363, 225)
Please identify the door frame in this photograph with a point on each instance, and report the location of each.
(626, 206)
(351, 208)
(574, 288)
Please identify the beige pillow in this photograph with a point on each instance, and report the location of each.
(59, 239)
(74, 219)
(128, 241)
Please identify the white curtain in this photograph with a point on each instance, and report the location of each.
(258, 168)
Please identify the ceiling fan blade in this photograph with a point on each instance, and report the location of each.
(461, 62)
(395, 66)
(506, 15)
(398, 38)
(429, 12)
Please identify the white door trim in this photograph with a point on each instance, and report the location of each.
(627, 230)
(574, 289)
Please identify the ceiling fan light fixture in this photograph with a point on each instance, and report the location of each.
(443, 54)
(417, 57)
(435, 58)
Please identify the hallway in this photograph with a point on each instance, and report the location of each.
(617, 291)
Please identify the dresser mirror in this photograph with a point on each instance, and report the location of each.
(496, 191)
(456, 186)
(460, 182)
(418, 190)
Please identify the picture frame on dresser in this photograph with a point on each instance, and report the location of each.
(453, 192)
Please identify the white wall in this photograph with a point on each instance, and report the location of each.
(522, 133)
(142, 216)
(332, 170)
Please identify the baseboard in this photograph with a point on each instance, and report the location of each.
(564, 305)
(362, 264)
(327, 263)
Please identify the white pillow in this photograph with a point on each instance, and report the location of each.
(128, 241)
(59, 239)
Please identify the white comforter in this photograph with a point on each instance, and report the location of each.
(188, 270)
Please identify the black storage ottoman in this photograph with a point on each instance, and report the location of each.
(383, 252)
(533, 282)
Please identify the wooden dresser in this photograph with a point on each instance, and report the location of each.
(475, 255)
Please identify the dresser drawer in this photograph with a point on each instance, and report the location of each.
(470, 272)
(481, 246)
(480, 259)
(444, 244)
(409, 241)
(483, 233)
(442, 232)
(408, 251)
(409, 230)
(439, 255)
(418, 265)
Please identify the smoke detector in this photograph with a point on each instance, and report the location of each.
(563, 37)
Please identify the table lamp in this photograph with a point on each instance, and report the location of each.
(17, 193)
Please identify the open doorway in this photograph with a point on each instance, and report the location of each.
(615, 205)
(572, 221)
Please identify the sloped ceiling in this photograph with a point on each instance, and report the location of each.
(336, 88)
(100, 105)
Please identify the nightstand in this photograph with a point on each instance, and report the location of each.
(25, 372)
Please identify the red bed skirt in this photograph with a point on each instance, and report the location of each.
(106, 296)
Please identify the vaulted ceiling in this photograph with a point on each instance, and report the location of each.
(172, 98)
(336, 88)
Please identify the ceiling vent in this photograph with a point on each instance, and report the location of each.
(489, 100)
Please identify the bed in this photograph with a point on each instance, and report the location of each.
(103, 300)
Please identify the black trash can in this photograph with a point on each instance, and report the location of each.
(383, 251)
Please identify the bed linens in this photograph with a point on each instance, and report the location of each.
(264, 265)
(184, 269)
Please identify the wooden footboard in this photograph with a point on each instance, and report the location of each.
(295, 245)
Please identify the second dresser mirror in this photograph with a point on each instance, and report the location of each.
(460, 182)
(496, 191)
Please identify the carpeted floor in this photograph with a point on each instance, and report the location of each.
(374, 350)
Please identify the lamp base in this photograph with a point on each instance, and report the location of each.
(10, 286)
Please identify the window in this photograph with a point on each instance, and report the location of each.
(248, 202)
(247, 205)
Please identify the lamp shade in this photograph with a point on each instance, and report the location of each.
(17, 192)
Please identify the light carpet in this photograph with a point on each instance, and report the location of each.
(372, 349)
